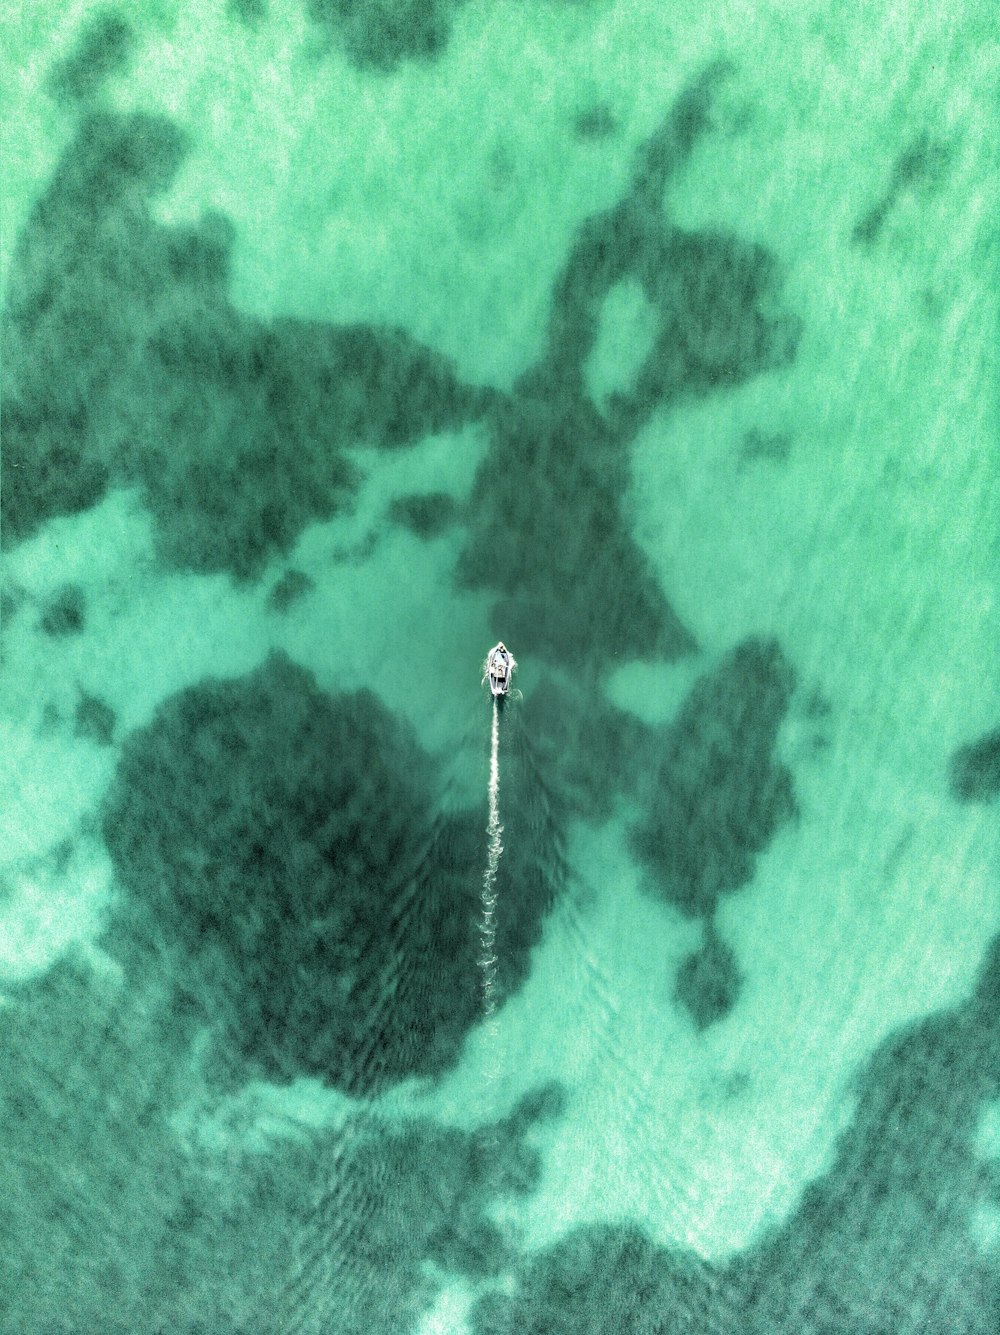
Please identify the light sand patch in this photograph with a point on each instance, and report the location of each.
(52, 905)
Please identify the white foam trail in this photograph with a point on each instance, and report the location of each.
(488, 898)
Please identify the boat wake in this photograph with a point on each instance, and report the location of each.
(488, 897)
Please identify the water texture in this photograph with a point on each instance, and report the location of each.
(341, 340)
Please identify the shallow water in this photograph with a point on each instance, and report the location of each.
(340, 341)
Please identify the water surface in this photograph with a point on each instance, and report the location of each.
(340, 341)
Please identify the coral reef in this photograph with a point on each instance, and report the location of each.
(550, 491)
(234, 429)
(104, 46)
(603, 1277)
(94, 719)
(65, 612)
(883, 1241)
(114, 1222)
(719, 794)
(709, 981)
(281, 845)
(975, 770)
(290, 588)
(426, 516)
(920, 166)
(380, 34)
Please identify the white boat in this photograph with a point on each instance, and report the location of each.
(499, 668)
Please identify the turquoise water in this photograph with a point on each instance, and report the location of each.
(341, 341)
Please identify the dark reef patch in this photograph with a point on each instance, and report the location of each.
(920, 166)
(883, 1242)
(12, 598)
(250, 12)
(603, 1278)
(271, 832)
(353, 1230)
(282, 843)
(104, 47)
(65, 613)
(113, 1221)
(719, 795)
(975, 770)
(597, 122)
(709, 981)
(715, 296)
(425, 516)
(757, 445)
(290, 588)
(380, 34)
(85, 281)
(441, 1180)
(549, 493)
(583, 588)
(230, 442)
(712, 295)
(589, 752)
(234, 429)
(86, 1084)
(94, 719)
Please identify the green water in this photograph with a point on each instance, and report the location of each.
(340, 341)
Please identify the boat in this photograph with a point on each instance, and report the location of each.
(499, 668)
